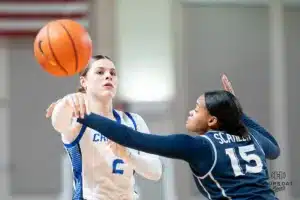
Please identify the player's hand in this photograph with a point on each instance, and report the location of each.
(227, 84)
(119, 150)
(77, 101)
(50, 108)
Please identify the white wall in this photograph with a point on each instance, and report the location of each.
(144, 50)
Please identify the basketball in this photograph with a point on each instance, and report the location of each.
(63, 47)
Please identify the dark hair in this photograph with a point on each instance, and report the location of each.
(227, 109)
(88, 67)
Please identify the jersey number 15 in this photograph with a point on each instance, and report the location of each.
(247, 154)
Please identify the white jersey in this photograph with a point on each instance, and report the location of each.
(98, 173)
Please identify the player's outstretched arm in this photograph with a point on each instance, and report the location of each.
(61, 117)
(178, 146)
(145, 164)
(264, 138)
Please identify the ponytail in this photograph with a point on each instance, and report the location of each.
(234, 128)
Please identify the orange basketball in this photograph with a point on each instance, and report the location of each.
(63, 47)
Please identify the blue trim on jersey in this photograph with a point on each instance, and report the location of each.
(77, 139)
(76, 160)
(200, 187)
(75, 155)
(117, 116)
(130, 117)
(214, 188)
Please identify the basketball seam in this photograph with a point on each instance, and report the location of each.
(53, 54)
(74, 46)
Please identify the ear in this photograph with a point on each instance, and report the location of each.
(212, 121)
(83, 82)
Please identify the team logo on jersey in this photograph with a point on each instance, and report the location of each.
(97, 137)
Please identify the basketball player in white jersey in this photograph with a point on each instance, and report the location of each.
(102, 170)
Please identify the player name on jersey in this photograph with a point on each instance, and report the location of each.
(225, 138)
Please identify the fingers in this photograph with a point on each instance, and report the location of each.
(75, 100)
(227, 84)
(82, 106)
(224, 81)
(86, 105)
(50, 110)
(77, 103)
(71, 102)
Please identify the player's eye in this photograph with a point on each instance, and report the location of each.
(100, 72)
(113, 73)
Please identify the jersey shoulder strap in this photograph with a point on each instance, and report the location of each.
(132, 119)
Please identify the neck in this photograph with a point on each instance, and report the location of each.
(100, 107)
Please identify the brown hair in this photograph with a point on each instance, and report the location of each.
(84, 72)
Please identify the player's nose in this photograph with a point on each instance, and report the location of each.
(108, 76)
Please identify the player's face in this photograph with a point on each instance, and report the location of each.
(101, 80)
(199, 118)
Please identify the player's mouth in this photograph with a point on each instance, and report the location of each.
(108, 85)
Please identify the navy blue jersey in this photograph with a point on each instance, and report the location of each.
(239, 169)
(224, 166)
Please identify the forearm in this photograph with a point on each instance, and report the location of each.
(271, 150)
(254, 125)
(62, 117)
(146, 165)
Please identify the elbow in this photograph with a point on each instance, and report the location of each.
(275, 154)
(157, 176)
(155, 173)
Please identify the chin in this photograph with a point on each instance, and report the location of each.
(106, 95)
(189, 127)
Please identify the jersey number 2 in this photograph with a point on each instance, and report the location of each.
(246, 155)
(115, 164)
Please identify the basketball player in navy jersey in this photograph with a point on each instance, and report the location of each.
(228, 158)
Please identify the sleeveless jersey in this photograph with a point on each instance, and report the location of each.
(98, 173)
